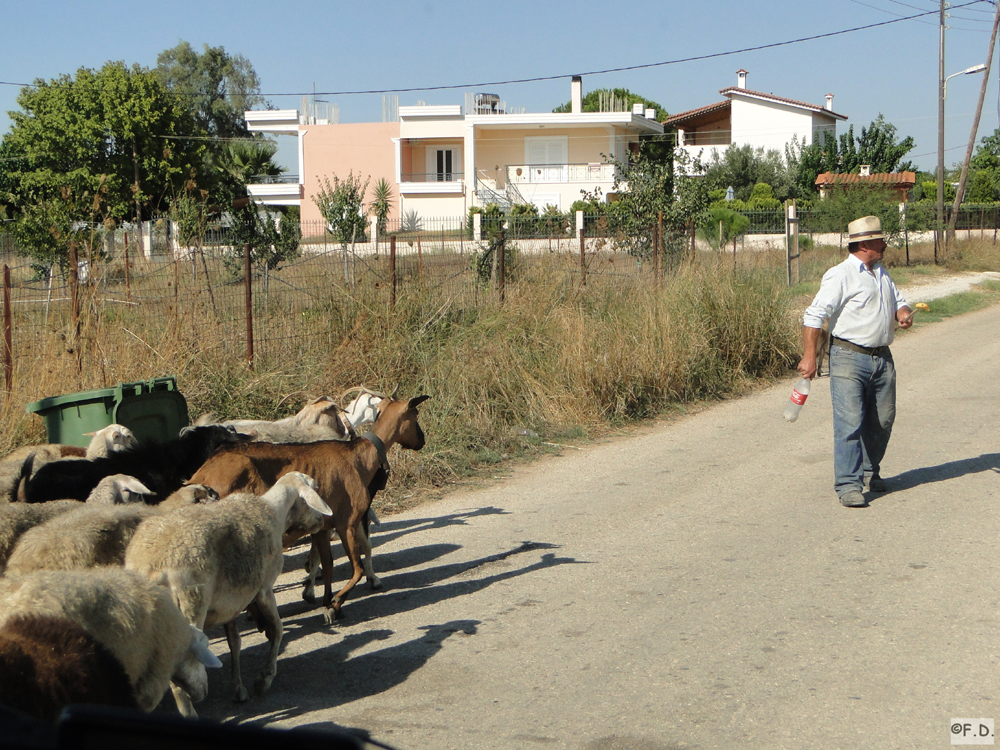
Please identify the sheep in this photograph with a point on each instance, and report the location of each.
(46, 663)
(102, 442)
(92, 535)
(162, 467)
(320, 419)
(343, 471)
(190, 494)
(87, 537)
(218, 558)
(107, 440)
(118, 489)
(17, 518)
(133, 618)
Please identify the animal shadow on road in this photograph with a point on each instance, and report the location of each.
(329, 677)
(422, 588)
(943, 472)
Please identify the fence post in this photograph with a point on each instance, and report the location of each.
(392, 271)
(249, 303)
(501, 267)
(583, 258)
(477, 227)
(128, 281)
(8, 345)
(420, 260)
(74, 291)
(659, 248)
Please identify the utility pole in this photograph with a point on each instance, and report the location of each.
(939, 224)
(975, 126)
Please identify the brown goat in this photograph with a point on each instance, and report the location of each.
(342, 470)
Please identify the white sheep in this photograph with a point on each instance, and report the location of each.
(107, 440)
(15, 465)
(218, 558)
(118, 489)
(88, 536)
(133, 618)
(17, 518)
(189, 494)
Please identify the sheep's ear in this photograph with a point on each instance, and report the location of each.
(134, 485)
(199, 647)
(90, 434)
(314, 501)
(417, 400)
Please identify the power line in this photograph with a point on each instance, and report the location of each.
(605, 71)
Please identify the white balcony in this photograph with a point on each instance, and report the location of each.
(272, 120)
(593, 173)
(427, 183)
(278, 192)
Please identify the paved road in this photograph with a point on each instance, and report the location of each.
(695, 586)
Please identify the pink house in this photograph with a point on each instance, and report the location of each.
(443, 159)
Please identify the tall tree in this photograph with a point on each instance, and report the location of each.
(217, 86)
(658, 148)
(116, 131)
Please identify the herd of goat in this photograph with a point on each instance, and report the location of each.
(114, 560)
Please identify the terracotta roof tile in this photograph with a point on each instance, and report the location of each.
(760, 95)
(692, 113)
(895, 179)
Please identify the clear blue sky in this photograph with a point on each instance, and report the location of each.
(377, 45)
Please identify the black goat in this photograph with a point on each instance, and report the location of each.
(47, 663)
(162, 467)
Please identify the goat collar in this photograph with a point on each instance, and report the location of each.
(375, 440)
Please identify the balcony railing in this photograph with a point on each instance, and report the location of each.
(431, 177)
(273, 179)
(539, 173)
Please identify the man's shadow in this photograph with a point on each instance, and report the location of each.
(943, 472)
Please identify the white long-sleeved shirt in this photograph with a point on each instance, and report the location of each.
(860, 306)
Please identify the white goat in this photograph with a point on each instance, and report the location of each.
(18, 518)
(320, 419)
(218, 558)
(133, 618)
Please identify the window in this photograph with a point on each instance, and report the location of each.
(445, 159)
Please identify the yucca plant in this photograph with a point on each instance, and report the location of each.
(381, 203)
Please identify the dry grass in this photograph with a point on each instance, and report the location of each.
(556, 362)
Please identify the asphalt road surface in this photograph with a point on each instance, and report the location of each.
(696, 585)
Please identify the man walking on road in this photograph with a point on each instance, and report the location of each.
(863, 306)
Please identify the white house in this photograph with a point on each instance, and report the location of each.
(754, 118)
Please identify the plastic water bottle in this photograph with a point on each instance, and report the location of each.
(799, 395)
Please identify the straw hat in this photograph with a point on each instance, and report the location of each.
(865, 228)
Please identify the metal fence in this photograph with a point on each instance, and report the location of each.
(122, 298)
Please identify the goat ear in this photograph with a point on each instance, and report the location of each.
(199, 647)
(320, 400)
(314, 501)
(417, 400)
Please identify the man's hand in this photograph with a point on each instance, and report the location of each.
(810, 339)
(904, 316)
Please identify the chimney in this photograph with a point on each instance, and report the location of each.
(741, 78)
(650, 114)
(638, 108)
(829, 102)
(866, 170)
(576, 95)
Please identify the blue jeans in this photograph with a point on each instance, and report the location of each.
(863, 389)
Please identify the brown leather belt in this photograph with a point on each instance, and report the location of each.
(876, 351)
